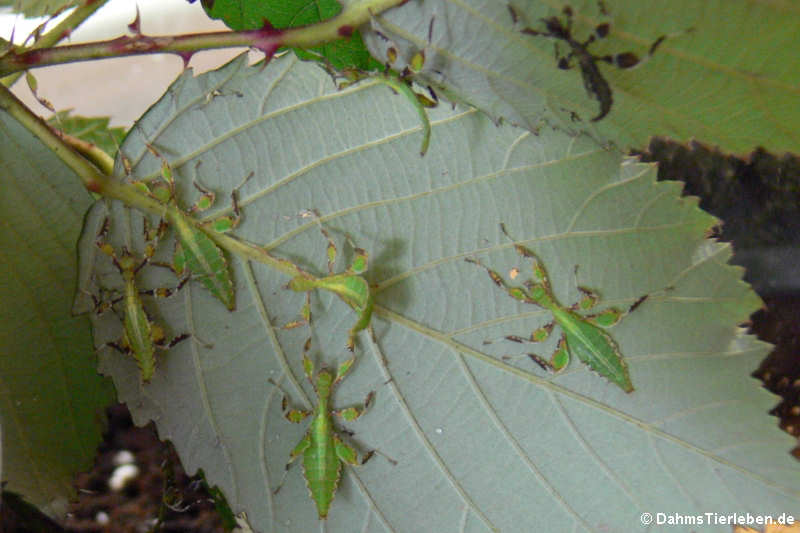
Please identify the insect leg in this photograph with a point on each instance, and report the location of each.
(539, 272)
(351, 413)
(344, 369)
(207, 198)
(292, 415)
(606, 318)
(538, 335)
(543, 364)
(176, 339)
(345, 452)
(225, 223)
(560, 357)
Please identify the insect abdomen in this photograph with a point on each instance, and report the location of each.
(322, 467)
(138, 333)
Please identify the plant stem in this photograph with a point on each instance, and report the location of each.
(266, 39)
(102, 160)
(127, 193)
(14, 107)
(61, 30)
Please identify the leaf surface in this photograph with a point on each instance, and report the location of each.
(52, 398)
(725, 73)
(254, 14)
(482, 442)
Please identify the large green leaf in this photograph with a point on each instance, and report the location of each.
(52, 398)
(481, 442)
(252, 14)
(726, 72)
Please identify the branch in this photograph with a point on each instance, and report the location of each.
(266, 39)
(90, 151)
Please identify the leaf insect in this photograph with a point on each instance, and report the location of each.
(399, 83)
(141, 336)
(195, 250)
(593, 80)
(350, 285)
(322, 449)
(582, 335)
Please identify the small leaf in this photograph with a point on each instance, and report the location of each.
(90, 129)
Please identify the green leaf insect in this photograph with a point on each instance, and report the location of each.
(323, 450)
(582, 336)
(195, 251)
(141, 336)
(348, 285)
(399, 83)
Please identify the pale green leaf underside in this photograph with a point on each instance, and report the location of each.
(51, 398)
(481, 442)
(731, 81)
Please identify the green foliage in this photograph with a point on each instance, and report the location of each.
(220, 504)
(253, 14)
(51, 418)
(90, 129)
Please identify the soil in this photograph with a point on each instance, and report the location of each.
(162, 488)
